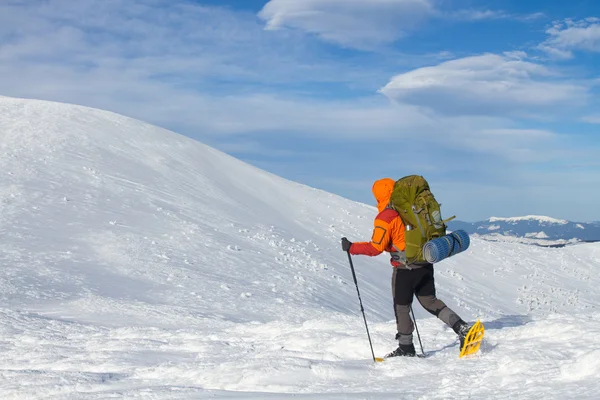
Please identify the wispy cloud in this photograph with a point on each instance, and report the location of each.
(366, 25)
(477, 15)
(195, 69)
(572, 35)
(195, 72)
(489, 84)
(517, 145)
(189, 45)
(351, 23)
(592, 119)
(481, 15)
(173, 63)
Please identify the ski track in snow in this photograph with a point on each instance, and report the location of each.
(137, 263)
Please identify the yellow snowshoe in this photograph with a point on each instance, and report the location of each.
(471, 341)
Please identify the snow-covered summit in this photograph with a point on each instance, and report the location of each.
(532, 226)
(119, 208)
(138, 263)
(536, 218)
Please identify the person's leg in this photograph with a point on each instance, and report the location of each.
(402, 292)
(425, 291)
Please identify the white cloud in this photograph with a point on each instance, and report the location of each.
(193, 69)
(212, 73)
(478, 15)
(190, 44)
(485, 84)
(570, 35)
(367, 24)
(592, 119)
(525, 134)
(515, 55)
(518, 145)
(223, 118)
(352, 23)
(481, 15)
(531, 17)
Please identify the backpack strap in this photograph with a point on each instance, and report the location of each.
(398, 255)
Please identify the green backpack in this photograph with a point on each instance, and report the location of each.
(421, 215)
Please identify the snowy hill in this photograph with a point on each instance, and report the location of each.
(532, 228)
(136, 262)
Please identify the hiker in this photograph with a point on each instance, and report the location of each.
(407, 280)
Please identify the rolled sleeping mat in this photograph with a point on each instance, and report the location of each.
(446, 246)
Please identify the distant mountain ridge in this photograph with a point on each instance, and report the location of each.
(532, 227)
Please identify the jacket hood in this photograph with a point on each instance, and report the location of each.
(382, 190)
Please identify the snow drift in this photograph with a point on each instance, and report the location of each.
(138, 262)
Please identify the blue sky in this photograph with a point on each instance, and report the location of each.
(496, 103)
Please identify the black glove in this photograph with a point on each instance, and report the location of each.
(346, 244)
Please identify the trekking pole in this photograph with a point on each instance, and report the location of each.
(417, 329)
(361, 307)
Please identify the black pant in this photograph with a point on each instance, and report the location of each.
(408, 282)
(418, 281)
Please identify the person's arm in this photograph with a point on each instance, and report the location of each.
(380, 239)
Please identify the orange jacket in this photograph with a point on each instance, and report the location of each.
(388, 234)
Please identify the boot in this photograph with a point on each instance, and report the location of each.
(461, 328)
(403, 350)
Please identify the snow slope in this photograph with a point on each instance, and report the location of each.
(137, 263)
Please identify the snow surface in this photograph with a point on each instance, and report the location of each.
(537, 218)
(137, 263)
(489, 227)
(537, 235)
(506, 238)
